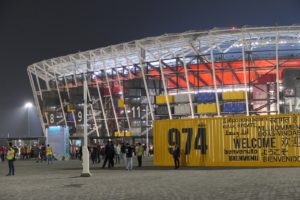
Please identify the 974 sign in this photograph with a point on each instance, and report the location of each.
(199, 135)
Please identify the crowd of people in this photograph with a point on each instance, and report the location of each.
(114, 153)
(111, 154)
(39, 153)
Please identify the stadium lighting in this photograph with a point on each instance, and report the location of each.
(28, 105)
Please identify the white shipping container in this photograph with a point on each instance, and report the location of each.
(182, 98)
(183, 109)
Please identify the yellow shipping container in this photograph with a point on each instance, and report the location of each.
(121, 103)
(206, 108)
(269, 140)
(160, 100)
(237, 95)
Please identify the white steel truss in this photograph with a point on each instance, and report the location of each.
(119, 60)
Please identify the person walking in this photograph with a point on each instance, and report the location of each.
(176, 156)
(123, 152)
(94, 154)
(43, 153)
(118, 153)
(11, 158)
(140, 153)
(3, 153)
(107, 153)
(36, 152)
(49, 152)
(98, 153)
(111, 162)
(129, 152)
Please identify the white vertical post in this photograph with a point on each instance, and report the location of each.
(122, 97)
(47, 76)
(102, 108)
(68, 92)
(214, 79)
(188, 86)
(244, 73)
(146, 86)
(46, 135)
(277, 73)
(36, 100)
(147, 132)
(60, 100)
(92, 108)
(112, 100)
(165, 88)
(85, 151)
(38, 83)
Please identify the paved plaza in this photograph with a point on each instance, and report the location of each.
(36, 181)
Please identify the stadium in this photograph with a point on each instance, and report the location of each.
(249, 71)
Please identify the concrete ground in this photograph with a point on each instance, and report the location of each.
(36, 181)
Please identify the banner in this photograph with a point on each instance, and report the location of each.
(269, 140)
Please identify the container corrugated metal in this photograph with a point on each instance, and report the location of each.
(183, 109)
(237, 95)
(135, 131)
(205, 108)
(268, 140)
(183, 98)
(121, 103)
(160, 100)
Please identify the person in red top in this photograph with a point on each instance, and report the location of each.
(3, 153)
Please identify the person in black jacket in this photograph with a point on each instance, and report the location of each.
(107, 152)
(129, 153)
(123, 152)
(111, 155)
(176, 156)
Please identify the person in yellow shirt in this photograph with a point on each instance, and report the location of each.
(140, 153)
(49, 152)
(11, 158)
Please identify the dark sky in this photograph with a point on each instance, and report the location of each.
(34, 30)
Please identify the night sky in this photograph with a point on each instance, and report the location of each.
(31, 31)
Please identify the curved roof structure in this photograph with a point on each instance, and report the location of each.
(226, 44)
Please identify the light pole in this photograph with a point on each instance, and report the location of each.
(28, 106)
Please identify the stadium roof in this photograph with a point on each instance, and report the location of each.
(224, 43)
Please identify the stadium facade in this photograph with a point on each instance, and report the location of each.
(195, 74)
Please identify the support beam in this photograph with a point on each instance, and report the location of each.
(214, 80)
(38, 106)
(85, 151)
(157, 69)
(244, 72)
(112, 100)
(194, 73)
(165, 89)
(179, 75)
(277, 74)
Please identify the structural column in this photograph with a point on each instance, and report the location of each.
(85, 151)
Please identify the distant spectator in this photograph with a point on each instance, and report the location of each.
(3, 153)
(49, 152)
(107, 154)
(140, 153)
(129, 154)
(11, 159)
(118, 153)
(123, 152)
